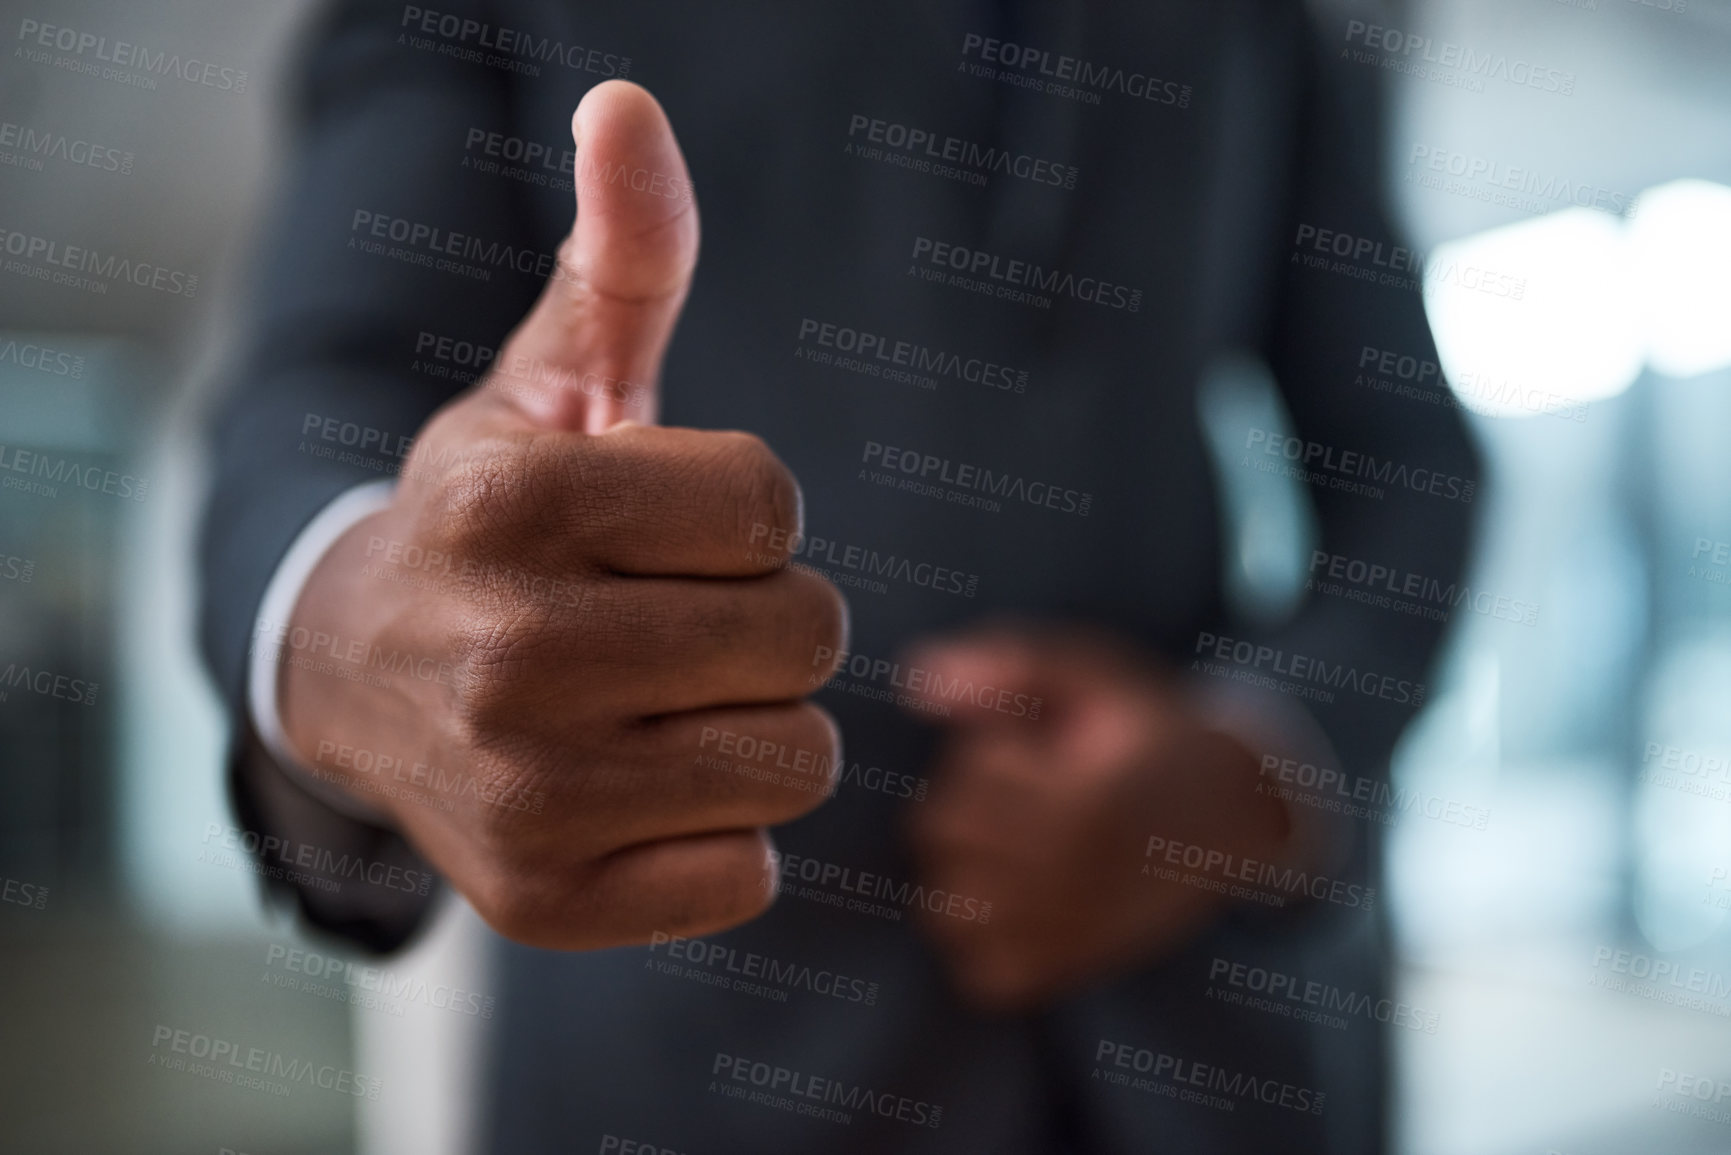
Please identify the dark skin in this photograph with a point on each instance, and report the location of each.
(668, 620)
(1049, 819)
(676, 616)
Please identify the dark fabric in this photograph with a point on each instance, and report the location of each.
(1196, 206)
(351, 881)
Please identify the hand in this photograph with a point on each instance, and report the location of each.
(568, 605)
(1048, 819)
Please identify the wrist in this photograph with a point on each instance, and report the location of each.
(338, 691)
(273, 640)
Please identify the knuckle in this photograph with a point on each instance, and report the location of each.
(506, 825)
(817, 623)
(530, 896)
(674, 623)
(763, 498)
(597, 484)
(819, 733)
(833, 624)
(735, 887)
(480, 497)
(745, 886)
(498, 832)
(496, 657)
(512, 909)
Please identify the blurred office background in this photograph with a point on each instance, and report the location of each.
(1596, 733)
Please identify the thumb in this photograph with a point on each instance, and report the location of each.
(589, 354)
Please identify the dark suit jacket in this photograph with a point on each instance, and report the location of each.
(1204, 138)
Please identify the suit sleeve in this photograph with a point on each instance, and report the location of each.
(331, 383)
(1415, 450)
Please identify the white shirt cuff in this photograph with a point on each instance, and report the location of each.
(264, 663)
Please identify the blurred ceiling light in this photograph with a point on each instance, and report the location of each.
(1567, 308)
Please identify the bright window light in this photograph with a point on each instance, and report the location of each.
(1681, 236)
(1568, 308)
(1534, 317)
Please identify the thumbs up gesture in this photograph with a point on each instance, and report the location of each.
(586, 639)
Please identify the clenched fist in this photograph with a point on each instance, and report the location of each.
(596, 600)
(1049, 819)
